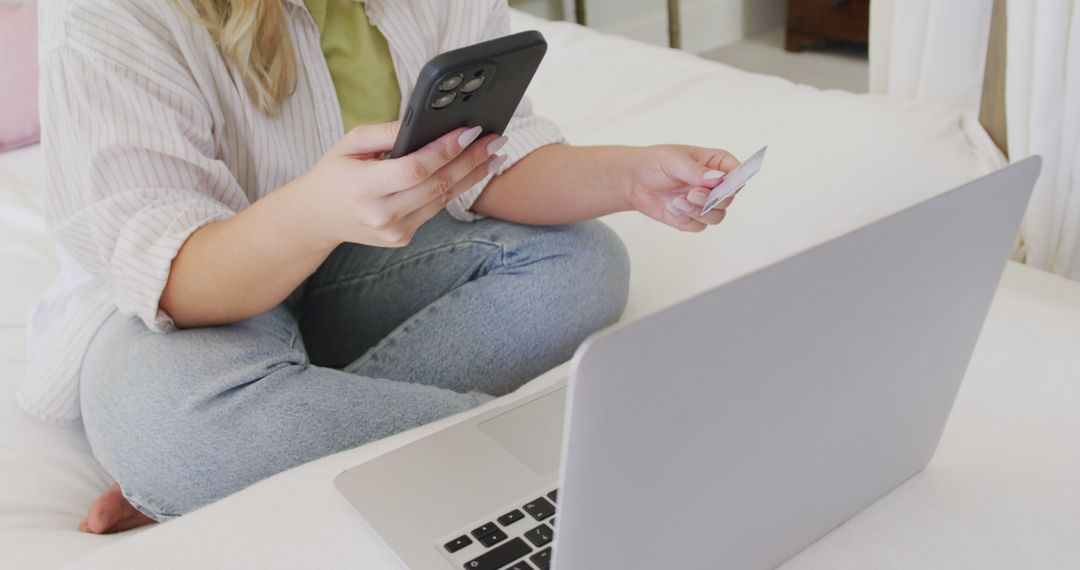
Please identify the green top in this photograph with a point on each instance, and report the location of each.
(359, 60)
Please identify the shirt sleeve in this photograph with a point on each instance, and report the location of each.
(129, 149)
(526, 131)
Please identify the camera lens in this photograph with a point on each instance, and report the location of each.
(451, 83)
(473, 84)
(443, 101)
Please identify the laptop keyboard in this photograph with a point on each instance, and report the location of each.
(518, 538)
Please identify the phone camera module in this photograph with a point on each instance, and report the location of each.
(443, 101)
(451, 83)
(473, 84)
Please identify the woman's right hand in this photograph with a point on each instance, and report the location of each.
(355, 196)
(242, 266)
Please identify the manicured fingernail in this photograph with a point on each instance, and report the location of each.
(713, 175)
(697, 197)
(683, 205)
(469, 136)
(495, 145)
(496, 164)
(671, 208)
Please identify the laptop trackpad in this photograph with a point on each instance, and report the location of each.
(532, 432)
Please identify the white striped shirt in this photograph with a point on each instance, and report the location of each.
(149, 134)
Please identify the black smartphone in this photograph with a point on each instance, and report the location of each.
(479, 85)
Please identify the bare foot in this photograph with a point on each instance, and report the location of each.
(111, 512)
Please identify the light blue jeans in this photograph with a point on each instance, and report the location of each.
(375, 342)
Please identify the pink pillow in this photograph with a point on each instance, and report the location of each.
(18, 76)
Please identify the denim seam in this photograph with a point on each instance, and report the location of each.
(353, 279)
(398, 333)
(404, 327)
(293, 335)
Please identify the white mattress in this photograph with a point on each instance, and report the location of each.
(999, 494)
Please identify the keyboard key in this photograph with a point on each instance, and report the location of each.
(499, 556)
(486, 528)
(552, 521)
(540, 508)
(521, 565)
(510, 517)
(540, 535)
(492, 538)
(457, 544)
(542, 559)
(554, 496)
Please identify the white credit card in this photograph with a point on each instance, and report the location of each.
(734, 180)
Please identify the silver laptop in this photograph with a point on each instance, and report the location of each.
(729, 431)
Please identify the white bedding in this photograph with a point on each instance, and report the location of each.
(999, 494)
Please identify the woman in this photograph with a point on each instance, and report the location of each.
(246, 286)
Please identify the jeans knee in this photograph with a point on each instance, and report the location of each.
(601, 259)
(165, 414)
(592, 270)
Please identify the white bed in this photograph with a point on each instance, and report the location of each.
(999, 494)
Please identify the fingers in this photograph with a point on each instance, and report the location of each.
(702, 167)
(683, 223)
(712, 217)
(684, 212)
(401, 214)
(715, 159)
(368, 140)
(446, 179)
(417, 218)
(418, 167)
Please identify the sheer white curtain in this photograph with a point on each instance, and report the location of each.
(929, 50)
(1042, 102)
(935, 50)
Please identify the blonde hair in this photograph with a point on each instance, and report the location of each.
(253, 35)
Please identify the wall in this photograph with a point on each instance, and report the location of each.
(706, 24)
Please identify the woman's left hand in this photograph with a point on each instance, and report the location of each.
(669, 183)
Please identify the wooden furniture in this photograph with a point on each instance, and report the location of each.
(674, 22)
(814, 23)
(992, 104)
